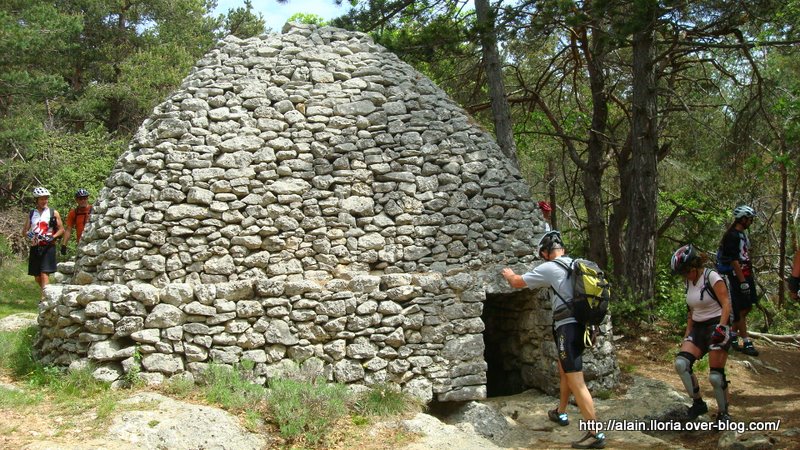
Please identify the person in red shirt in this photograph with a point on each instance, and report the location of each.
(77, 218)
(546, 209)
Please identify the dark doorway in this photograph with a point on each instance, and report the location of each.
(508, 338)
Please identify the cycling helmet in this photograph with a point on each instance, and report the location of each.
(743, 211)
(682, 258)
(40, 192)
(551, 240)
(544, 206)
(81, 193)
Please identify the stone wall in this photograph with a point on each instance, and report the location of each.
(303, 197)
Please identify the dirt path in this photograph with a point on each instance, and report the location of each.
(763, 388)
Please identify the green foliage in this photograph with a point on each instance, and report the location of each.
(306, 412)
(243, 23)
(63, 163)
(385, 400)
(132, 377)
(16, 352)
(16, 398)
(20, 293)
(671, 299)
(179, 387)
(229, 387)
(308, 18)
(603, 394)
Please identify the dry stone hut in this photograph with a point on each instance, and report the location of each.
(310, 198)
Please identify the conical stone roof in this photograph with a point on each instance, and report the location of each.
(305, 153)
(303, 196)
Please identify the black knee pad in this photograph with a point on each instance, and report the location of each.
(689, 357)
(713, 378)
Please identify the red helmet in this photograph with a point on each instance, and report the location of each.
(544, 206)
(682, 258)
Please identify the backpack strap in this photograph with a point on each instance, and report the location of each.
(569, 274)
(708, 287)
(53, 224)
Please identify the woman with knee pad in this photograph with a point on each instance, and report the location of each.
(707, 329)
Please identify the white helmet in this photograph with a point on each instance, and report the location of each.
(743, 211)
(40, 192)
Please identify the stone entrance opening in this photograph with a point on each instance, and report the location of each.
(512, 342)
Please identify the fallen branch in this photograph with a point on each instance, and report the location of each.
(791, 338)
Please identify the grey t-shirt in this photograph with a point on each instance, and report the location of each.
(553, 275)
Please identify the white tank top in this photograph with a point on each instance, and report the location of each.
(702, 304)
(40, 224)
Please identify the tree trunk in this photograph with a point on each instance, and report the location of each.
(619, 215)
(594, 51)
(784, 226)
(501, 112)
(642, 226)
(551, 190)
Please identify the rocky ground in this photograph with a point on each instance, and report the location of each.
(763, 389)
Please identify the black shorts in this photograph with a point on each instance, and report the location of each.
(42, 259)
(741, 302)
(569, 343)
(700, 335)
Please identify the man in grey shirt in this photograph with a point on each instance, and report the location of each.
(567, 332)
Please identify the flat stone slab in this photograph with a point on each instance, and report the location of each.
(18, 321)
(166, 423)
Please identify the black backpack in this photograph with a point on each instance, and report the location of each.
(591, 291)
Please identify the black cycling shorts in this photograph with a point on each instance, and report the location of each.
(42, 259)
(700, 335)
(569, 344)
(741, 302)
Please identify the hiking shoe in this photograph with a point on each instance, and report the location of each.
(749, 349)
(591, 441)
(735, 344)
(698, 407)
(557, 417)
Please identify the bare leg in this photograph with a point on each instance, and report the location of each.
(43, 279)
(582, 396)
(564, 391)
(741, 325)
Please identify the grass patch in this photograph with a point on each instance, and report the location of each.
(603, 394)
(16, 352)
(20, 291)
(229, 388)
(10, 398)
(307, 412)
(385, 400)
(179, 387)
(627, 368)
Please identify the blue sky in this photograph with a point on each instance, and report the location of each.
(276, 14)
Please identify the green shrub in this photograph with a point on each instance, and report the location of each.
(228, 387)
(16, 352)
(179, 387)
(77, 384)
(385, 400)
(307, 412)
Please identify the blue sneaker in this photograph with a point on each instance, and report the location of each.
(591, 441)
(557, 417)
